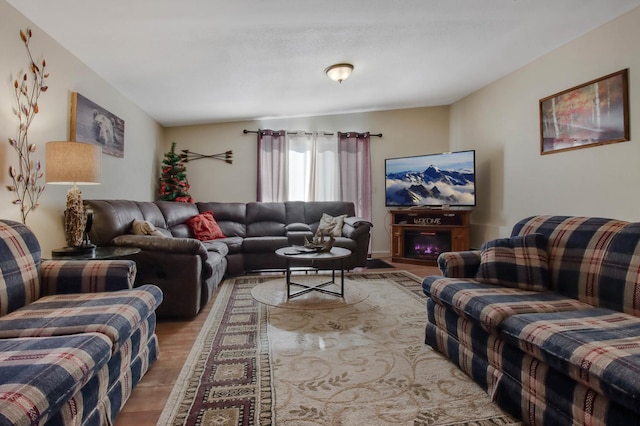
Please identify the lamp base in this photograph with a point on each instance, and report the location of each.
(88, 250)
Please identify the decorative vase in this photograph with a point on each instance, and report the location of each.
(75, 218)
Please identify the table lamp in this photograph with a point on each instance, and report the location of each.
(74, 163)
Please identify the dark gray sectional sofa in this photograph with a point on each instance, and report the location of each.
(188, 270)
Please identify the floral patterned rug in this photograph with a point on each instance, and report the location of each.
(361, 364)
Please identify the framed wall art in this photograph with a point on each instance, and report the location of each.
(591, 114)
(94, 124)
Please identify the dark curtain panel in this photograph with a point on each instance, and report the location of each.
(354, 155)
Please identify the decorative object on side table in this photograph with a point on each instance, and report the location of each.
(74, 163)
(26, 177)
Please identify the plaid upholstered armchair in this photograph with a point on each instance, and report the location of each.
(75, 338)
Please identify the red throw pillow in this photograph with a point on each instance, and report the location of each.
(205, 227)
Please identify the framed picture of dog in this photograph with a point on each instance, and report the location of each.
(94, 124)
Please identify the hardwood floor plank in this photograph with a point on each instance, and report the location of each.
(176, 339)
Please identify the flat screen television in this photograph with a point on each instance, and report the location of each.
(434, 180)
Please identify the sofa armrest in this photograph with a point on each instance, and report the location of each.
(86, 276)
(169, 246)
(163, 244)
(459, 264)
(355, 226)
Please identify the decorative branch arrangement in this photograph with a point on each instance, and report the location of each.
(26, 177)
(187, 156)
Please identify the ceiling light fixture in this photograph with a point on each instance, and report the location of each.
(339, 72)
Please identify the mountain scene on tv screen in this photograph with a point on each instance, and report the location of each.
(433, 186)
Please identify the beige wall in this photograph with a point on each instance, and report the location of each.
(132, 177)
(501, 122)
(405, 132)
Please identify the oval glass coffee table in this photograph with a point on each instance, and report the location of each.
(336, 256)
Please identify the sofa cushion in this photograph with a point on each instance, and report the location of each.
(591, 258)
(217, 246)
(331, 225)
(263, 244)
(313, 211)
(230, 216)
(490, 305)
(234, 244)
(115, 314)
(205, 227)
(176, 213)
(38, 375)
(518, 262)
(266, 219)
(597, 347)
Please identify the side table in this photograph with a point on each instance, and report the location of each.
(101, 253)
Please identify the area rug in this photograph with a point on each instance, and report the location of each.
(375, 263)
(362, 364)
(274, 293)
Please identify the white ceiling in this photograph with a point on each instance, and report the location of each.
(205, 61)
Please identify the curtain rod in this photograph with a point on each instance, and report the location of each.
(245, 131)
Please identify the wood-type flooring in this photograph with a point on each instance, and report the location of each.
(176, 339)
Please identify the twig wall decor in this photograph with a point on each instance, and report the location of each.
(187, 156)
(27, 176)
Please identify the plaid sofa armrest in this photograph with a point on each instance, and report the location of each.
(459, 264)
(86, 276)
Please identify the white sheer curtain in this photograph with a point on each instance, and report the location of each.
(272, 166)
(313, 173)
(315, 167)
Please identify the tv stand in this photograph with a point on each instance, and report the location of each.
(419, 235)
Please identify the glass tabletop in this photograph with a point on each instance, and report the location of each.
(101, 253)
(297, 252)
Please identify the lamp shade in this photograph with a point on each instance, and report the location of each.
(73, 163)
(339, 72)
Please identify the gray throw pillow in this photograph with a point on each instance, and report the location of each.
(519, 262)
(331, 225)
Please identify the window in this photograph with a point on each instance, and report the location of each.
(315, 167)
(312, 168)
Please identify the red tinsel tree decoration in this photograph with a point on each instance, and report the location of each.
(173, 182)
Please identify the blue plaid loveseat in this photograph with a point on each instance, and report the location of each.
(547, 320)
(75, 338)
